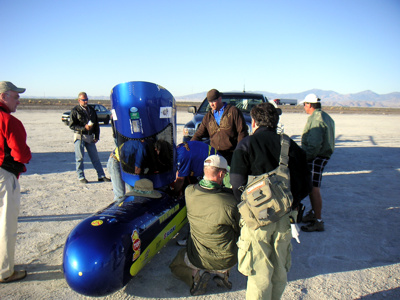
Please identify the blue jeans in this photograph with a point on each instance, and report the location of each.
(94, 157)
(114, 168)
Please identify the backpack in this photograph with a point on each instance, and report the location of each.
(267, 197)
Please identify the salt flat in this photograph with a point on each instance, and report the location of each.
(357, 257)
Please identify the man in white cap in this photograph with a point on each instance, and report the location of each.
(318, 141)
(214, 229)
(14, 154)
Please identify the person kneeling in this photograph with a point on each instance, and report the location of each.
(214, 230)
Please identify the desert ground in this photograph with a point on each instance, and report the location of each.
(356, 257)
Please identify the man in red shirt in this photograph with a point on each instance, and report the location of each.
(14, 154)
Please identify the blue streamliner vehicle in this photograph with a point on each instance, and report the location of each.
(104, 251)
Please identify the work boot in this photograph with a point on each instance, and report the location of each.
(200, 283)
(223, 282)
(314, 226)
(309, 217)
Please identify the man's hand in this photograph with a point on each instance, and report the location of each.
(137, 170)
(87, 127)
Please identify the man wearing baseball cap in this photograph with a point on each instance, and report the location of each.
(214, 230)
(224, 124)
(14, 154)
(318, 141)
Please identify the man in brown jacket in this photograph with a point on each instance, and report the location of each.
(224, 124)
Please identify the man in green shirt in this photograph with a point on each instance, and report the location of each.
(318, 141)
(214, 230)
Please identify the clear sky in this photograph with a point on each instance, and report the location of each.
(60, 48)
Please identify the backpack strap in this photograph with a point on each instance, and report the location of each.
(284, 157)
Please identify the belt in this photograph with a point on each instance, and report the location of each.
(113, 156)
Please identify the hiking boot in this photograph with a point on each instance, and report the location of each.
(223, 282)
(200, 283)
(314, 226)
(83, 181)
(309, 217)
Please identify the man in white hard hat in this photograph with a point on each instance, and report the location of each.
(318, 140)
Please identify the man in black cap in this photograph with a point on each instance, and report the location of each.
(224, 124)
(14, 154)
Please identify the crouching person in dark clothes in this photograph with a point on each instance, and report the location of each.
(214, 229)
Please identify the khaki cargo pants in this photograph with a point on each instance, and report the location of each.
(264, 256)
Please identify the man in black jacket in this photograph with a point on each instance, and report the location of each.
(86, 129)
(264, 253)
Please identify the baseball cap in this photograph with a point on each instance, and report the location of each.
(213, 95)
(217, 161)
(6, 86)
(310, 98)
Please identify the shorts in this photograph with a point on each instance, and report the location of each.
(317, 166)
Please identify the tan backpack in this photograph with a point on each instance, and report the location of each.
(267, 197)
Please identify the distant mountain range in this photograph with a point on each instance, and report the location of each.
(329, 98)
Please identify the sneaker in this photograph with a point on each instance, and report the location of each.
(104, 179)
(83, 181)
(309, 217)
(17, 275)
(182, 242)
(200, 283)
(223, 282)
(314, 226)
